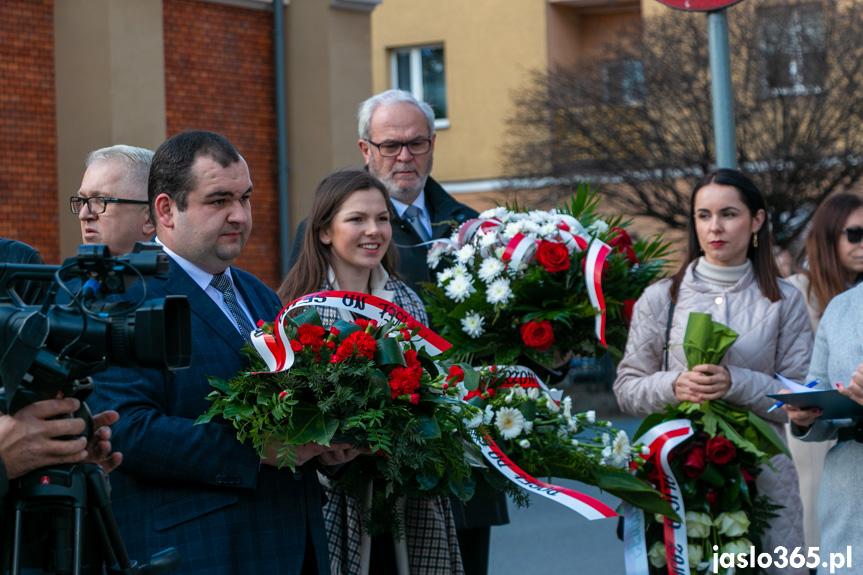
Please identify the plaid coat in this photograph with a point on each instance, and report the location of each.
(429, 529)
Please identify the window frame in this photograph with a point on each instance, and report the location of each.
(416, 80)
(793, 28)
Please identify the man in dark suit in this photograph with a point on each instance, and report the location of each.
(223, 505)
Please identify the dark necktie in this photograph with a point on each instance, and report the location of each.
(223, 284)
(412, 216)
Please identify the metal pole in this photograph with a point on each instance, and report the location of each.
(723, 99)
(281, 136)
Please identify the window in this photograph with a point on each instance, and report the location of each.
(622, 82)
(420, 71)
(792, 45)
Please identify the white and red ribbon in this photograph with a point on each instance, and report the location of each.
(524, 376)
(596, 255)
(582, 504)
(275, 349)
(660, 439)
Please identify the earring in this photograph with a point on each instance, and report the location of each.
(326, 241)
(754, 240)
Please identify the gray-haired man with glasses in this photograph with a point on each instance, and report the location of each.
(112, 203)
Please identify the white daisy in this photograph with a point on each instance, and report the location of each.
(621, 450)
(459, 288)
(524, 444)
(489, 269)
(499, 292)
(465, 254)
(510, 422)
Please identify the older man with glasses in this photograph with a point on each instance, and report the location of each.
(112, 202)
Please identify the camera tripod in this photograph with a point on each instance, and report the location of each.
(66, 504)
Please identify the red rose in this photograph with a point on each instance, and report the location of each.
(620, 239)
(747, 476)
(553, 256)
(694, 463)
(720, 450)
(629, 254)
(712, 498)
(628, 304)
(537, 334)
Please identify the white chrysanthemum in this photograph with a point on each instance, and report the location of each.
(499, 292)
(620, 450)
(472, 324)
(459, 270)
(533, 393)
(524, 444)
(488, 239)
(444, 276)
(499, 251)
(548, 229)
(591, 416)
(465, 254)
(510, 422)
(512, 229)
(489, 269)
(567, 407)
(488, 415)
(551, 405)
(493, 213)
(597, 228)
(459, 288)
(530, 228)
(435, 254)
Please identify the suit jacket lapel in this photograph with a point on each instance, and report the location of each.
(178, 282)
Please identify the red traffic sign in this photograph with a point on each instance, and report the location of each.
(699, 5)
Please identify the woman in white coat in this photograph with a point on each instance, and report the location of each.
(729, 272)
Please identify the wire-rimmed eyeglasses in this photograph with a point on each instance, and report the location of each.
(416, 147)
(97, 204)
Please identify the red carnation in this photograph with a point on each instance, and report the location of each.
(311, 336)
(553, 256)
(415, 398)
(720, 450)
(537, 334)
(358, 342)
(365, 323)
(296, 346)
(456, 374)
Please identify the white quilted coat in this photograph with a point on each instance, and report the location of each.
(773, 338)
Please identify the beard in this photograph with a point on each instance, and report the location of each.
(403, 192)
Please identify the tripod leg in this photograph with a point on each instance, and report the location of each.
(79, 541)
(16, 542)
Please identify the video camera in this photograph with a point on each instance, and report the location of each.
(82, 327)
(53, 348)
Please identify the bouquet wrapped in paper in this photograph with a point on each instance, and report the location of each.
(707, 457)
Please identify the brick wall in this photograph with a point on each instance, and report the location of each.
(28, 128)
(219, 76)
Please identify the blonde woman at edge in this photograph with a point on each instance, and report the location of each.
(347, 247)
(834, 257)
(729, 272)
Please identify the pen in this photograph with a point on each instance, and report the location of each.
(779, 404)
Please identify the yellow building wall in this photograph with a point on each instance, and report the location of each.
(489, 47)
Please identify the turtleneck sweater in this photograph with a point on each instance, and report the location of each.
(719, 277)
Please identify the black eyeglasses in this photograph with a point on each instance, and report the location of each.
(416, 147)
(97, 205)
(854, 234)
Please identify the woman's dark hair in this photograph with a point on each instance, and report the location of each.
(763, 262)
(827, 277)
(310, 271)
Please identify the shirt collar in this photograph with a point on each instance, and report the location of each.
(198, 275)
(419, 202)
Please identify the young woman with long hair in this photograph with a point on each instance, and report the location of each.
(831, 262)
(729, 272)
(347, 246)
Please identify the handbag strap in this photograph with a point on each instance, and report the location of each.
(668, 332)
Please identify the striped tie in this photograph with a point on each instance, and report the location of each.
(223, 284)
